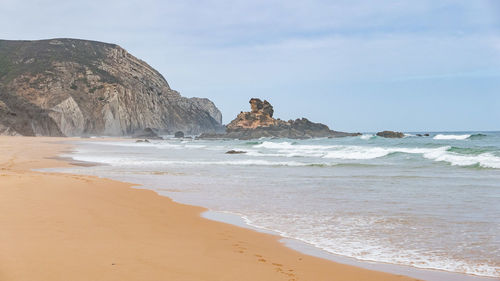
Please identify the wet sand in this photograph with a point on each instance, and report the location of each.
(72, 227)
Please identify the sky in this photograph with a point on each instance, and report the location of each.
(358, 66)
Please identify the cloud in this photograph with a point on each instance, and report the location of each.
(345, 58)
(231, 50)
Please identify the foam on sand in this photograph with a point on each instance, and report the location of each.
(363, 197)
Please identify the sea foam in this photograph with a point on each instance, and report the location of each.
(134, 162)
(371, 213)
(366, 137)
(358, 152)
(346, 152)
(451, 137)
(485, 160)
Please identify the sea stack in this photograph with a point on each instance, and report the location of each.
(259, 122)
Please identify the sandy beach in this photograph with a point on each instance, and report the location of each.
(72, 227)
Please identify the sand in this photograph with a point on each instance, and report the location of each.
(72, 227)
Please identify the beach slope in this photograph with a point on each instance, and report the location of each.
(72, 227)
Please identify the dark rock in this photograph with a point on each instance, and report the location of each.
(235, 152)
(179, 134)
(71, 87)
(426, 135)
(256, 105)
(390, 134)
(145, 140)
(419, 135)
(259, 122)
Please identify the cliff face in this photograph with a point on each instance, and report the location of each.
(259, 122)
(69, 87)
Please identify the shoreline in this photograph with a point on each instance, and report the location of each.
(430, 274)
(238, 258)
(309, 249)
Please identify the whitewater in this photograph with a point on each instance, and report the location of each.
(424, 202)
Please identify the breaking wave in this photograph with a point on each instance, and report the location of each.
(484, 160)
(367, 137)
(451, 137)
(340, 177)
(119, 161)
(452, 155)
(458, 137)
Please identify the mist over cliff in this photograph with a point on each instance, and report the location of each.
(71, 87)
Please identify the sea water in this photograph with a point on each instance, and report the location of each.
(426, 202)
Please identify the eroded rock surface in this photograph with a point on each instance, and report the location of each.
(259, 122)
(261, 115)
(69, 87)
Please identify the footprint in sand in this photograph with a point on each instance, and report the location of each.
(240, 249)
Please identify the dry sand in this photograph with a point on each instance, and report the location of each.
(71, 227)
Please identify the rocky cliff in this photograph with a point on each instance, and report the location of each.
(69, 87)
(259, 122)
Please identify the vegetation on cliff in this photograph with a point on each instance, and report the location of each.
(76, 87)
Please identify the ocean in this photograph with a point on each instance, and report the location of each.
(425, 202)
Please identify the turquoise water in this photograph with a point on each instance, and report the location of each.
(427, 202)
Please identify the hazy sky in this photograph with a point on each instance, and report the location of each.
(421, 65)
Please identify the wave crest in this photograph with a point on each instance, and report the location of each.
(453, 155)
(367, 137)
(485, 160)
(451, 137)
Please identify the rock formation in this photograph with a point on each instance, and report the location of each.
(391, 134)
(259, 122)
(235, 152)
(260, 116)
(69, 87)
